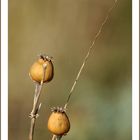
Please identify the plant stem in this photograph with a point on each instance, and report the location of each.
(92, 46)
(56, 137)
(34, 113)
(32, 129)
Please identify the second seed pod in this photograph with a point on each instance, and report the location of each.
(58, 122)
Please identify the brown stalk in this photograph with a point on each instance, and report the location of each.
(89, 51)
(55, 137)
(34, 113)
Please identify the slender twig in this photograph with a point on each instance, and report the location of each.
(34, 113)
(56, 137)
(88, 53)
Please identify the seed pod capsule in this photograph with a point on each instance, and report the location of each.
(58, 122)
(37, 71)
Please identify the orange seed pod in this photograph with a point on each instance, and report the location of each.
(58, 122)
(36, 71)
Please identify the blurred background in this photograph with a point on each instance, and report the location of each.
(100, 107)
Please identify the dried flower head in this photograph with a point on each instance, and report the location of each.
(58, 122)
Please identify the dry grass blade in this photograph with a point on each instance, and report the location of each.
(92, 47)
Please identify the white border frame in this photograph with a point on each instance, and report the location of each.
(4, 70)
(135, 70)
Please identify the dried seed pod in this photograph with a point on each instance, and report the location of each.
(58, 122)
(36, 71)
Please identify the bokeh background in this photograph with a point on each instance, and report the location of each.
(100, 107)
